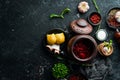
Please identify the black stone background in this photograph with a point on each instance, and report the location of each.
(23, 24)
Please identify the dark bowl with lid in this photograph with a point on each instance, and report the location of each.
(81, 26)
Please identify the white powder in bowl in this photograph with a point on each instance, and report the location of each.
(101, 35)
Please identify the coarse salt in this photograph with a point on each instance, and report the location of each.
(101, 35)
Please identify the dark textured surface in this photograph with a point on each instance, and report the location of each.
(23, 24)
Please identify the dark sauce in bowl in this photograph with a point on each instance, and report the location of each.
(83, 48)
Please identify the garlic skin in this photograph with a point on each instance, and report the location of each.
(117, 16)
(83, 7)
(55, 48)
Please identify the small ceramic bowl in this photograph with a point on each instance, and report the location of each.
(101, 50)
(94, 18)
(82, 48)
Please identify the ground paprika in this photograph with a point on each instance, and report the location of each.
(95, 18)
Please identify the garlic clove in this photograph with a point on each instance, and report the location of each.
(106, 50)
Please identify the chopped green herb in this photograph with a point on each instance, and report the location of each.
(60, 70)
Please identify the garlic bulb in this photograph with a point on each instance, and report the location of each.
(117, 16)
(83, 7)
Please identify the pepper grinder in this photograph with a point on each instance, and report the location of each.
(117, 36)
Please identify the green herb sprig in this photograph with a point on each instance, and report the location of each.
(108, 44)
(96, 6)
(98, 10)
(61, 15)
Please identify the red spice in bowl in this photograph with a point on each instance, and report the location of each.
(82, 48)
(95, 18)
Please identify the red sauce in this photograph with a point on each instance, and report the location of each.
(76, 77)
(73, 77)
(81, 50)
(95, 18)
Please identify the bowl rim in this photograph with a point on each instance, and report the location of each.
(101, 44)
(91, 21)
(55, 30)
(78, 37)
(108, 16)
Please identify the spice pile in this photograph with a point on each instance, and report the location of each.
(95, 18)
